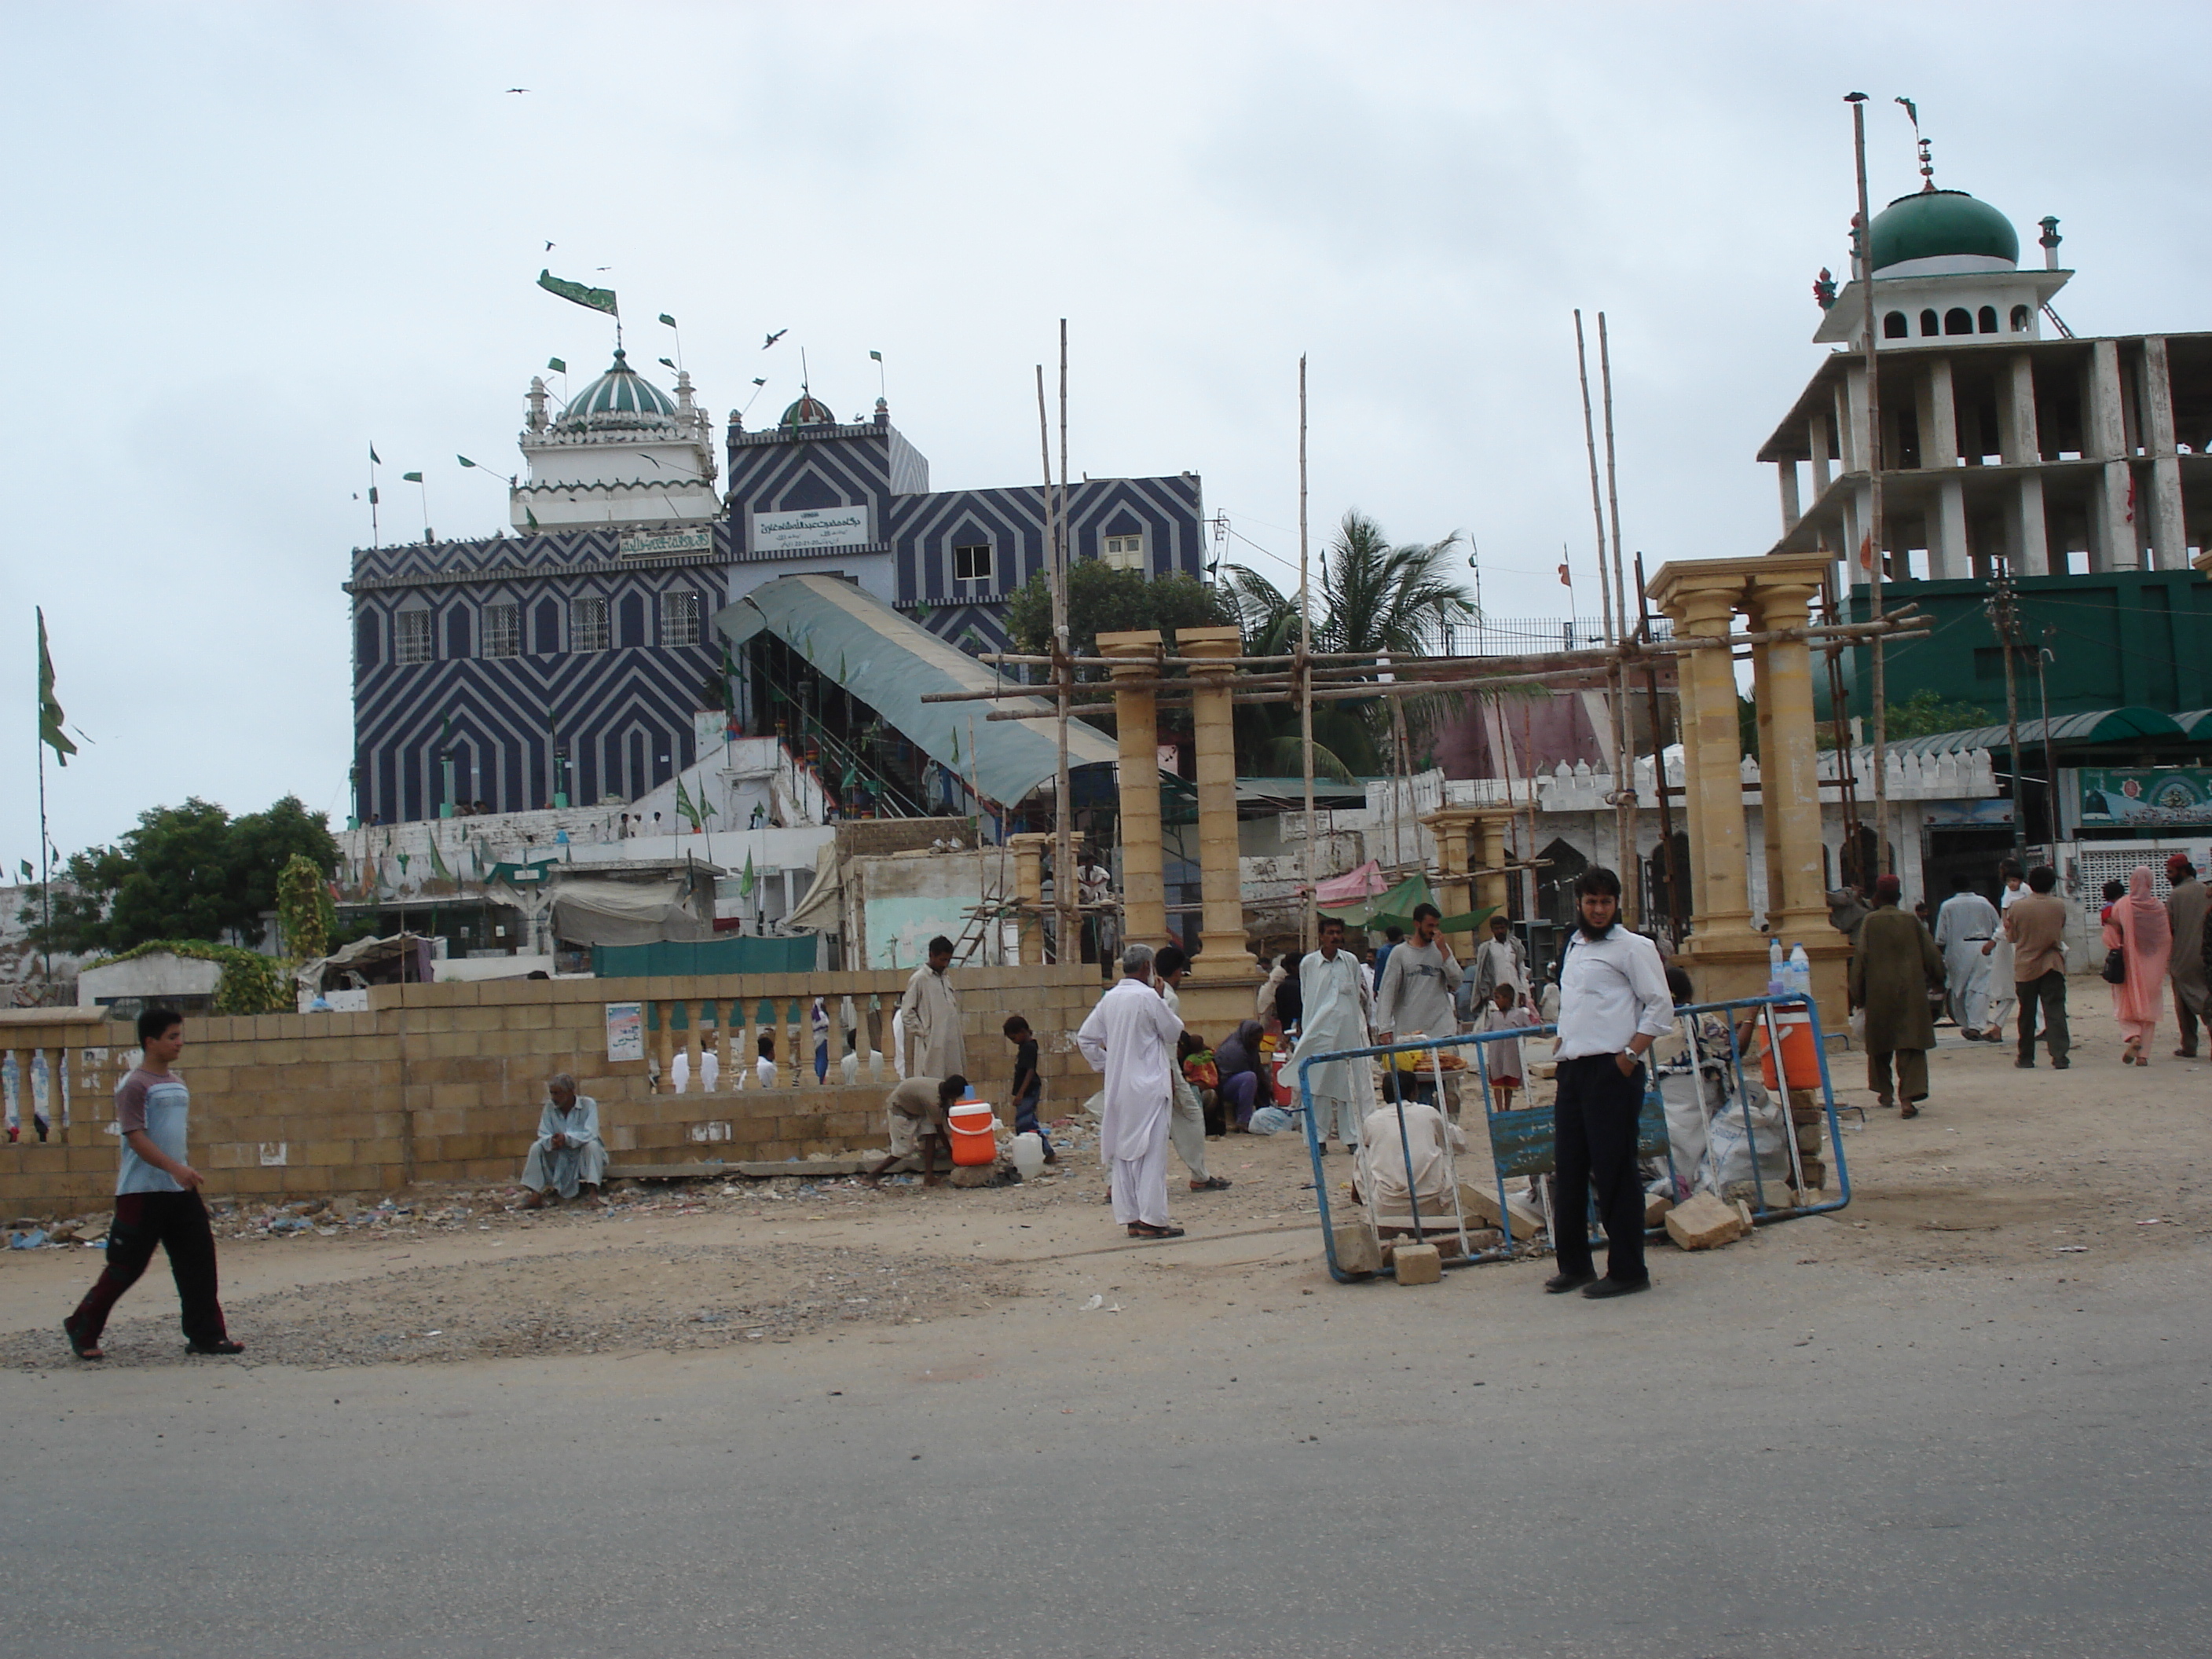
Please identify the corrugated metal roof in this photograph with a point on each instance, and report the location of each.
(2097, 726)
(890, 663)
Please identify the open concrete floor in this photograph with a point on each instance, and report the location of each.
(1967, 1415)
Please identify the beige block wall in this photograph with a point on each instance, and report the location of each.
(444, 1082)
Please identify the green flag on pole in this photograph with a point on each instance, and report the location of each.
(668, 319)
(374, 460)
(465, 460)
(594, 299)
(745, 881)
(877, 355)
(412, 478)
(683, 807)
(29, 874)
(556, 366)
(50, 712)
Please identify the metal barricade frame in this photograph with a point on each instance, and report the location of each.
(1763, 1214)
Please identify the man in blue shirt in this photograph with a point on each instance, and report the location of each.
(157, 1200)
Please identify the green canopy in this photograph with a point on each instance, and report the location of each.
(1395, 909)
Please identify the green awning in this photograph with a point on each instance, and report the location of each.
(891, 663)
(1395, 909)
(2094, 726)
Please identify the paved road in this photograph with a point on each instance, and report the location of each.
(1773, 1452)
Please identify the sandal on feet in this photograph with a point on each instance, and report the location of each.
(225, 1346)
(1211, 1184)
(1908, 1110)
(82, 1349)
(1145, 1230)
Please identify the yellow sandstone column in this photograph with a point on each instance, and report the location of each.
(1028, 890)
(1136, 720)
(1221, 931)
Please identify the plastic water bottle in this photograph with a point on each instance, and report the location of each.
(1776, 967)
(1799, 977)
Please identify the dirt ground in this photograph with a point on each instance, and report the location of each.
(2064, 1175)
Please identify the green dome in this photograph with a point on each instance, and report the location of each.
(808, 410)
(1935, 224)
(620, 398)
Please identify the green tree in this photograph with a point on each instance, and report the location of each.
(1104, 599)
(305, 913)
(1373, 597)
(188, 872)
(1923, 714)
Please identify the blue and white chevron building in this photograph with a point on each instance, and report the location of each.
(570, 660)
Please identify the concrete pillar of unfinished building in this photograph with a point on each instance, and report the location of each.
(1817, 439)
(1028, 890)
(1786, 473)
(1726, 956)
(2113, 544)
(1224, 954)
(2169, 534)
(1779, 598)
(1136, 654)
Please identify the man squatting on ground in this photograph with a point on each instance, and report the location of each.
(915, 1113)
(1131, 1037)
(1614, 1004)
(567, 1157)
(157, 1200)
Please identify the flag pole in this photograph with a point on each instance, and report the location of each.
(1878, 690)
(1308, 935)
(45, 874)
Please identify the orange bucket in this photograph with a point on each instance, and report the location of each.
(973, 1139)
(1801, 1054)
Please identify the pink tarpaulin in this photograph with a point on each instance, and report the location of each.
(1365, 883)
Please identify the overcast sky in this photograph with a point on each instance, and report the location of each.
(243, 243)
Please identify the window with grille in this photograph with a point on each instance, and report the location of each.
(503, 630)
(587, 624)
(973, 563)
(679, 619)
(412, 642)
(1124, 552)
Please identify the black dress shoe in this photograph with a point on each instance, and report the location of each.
(1560, 1284)
(1598, 1290)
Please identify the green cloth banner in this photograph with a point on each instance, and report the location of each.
(595, 298)
(50, 711)
(748, 955)
(1395, 909)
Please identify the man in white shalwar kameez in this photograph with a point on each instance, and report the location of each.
(568, 1154)
(1335, 1018)
(1383, 1159)
(1964, 924)
(933, 1016)
(1131, 1037)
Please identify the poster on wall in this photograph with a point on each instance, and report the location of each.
(625, 1030)
(2147, 799)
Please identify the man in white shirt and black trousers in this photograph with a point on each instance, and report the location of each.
(1614, 1004)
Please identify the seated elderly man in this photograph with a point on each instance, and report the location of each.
(916, 1112)
(567, 1155)
(1382, 1164)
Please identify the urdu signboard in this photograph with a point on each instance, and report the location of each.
(2147, 799)
(665, 543)
(811, 527)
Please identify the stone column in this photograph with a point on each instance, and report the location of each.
(1221, 890)
(1817, 439)
(1785, 472)
(1701, 597)
(1029, 889)
(1780, 596)
(2169, 534)
(1136, 720)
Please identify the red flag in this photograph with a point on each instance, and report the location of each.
(1866, 552)
(2131, 497)
(1566, 576)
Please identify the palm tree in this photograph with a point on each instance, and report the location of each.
(1374, 597)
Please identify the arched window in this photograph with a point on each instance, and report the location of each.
(1986, 320)
(2020, 319)
(1957, 321)
(1895, 327)
(1931, 324)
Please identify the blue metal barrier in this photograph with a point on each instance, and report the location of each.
(1524, 1136)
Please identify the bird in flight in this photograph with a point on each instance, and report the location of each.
(517, 89)
(549, 248)
(773, 337)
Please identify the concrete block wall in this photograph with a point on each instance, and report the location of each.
(444, 1082)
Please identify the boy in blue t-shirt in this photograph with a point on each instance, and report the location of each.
(157, 1200)
(1028, 1085)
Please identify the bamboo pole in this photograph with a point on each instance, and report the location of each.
(1879, 690)
(1064, 890)
(1623, 788)
(1063, 870)
(1309, 935)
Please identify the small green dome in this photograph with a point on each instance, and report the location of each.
(620, 398)
(1935, 224)
(808, 410)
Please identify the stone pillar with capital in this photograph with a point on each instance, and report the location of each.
(1029, 889)
(1223, 954)
(1136, 654)
(1726, 956)
(1779, 598)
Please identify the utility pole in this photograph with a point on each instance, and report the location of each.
(2004, 617)
(1878, 689)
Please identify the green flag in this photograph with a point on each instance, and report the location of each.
(412, 478)
(532, 517)
(595, 298)
(683, 806)
(437, 863)
(760, 382)
(745, 881)
(465, 460)
(556, 366)
(50, 712)
(29, 874)
(664, 362)
(668, 319)
(877, 355)
(372, 492)
(374, 460)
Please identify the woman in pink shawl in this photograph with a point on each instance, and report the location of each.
(2137, 927)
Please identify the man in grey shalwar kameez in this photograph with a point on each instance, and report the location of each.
(568, 1154)
(932, 1017)
(1966, 922)
(1335, 1018)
